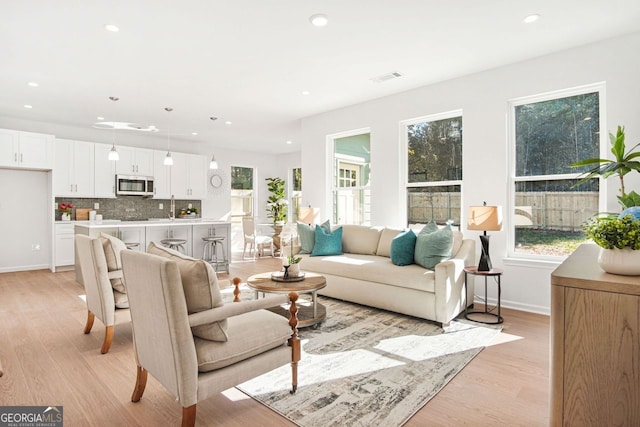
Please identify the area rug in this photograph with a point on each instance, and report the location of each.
(368, 367)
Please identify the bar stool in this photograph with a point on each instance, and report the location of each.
(210, 253)
(176, 244)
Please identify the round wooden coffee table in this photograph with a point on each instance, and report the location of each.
(309, 312)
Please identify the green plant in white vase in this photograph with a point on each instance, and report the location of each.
(619, 239)
(277, 202)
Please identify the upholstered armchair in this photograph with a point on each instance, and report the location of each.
(97, 278)
(195, 351)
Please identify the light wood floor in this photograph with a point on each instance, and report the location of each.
(47, 360)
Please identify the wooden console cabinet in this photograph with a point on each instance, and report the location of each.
(595, 344)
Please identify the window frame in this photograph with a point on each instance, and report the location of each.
(404, 160)
(509, 217)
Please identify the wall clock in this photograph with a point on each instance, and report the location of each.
(216, 181)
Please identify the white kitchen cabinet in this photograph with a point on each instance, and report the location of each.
(134, 161)
(26, 150)
(133, 235)
(64, 249)
(161, 175)
(156, 234)
(189, 176)
(73, 168)
(104, 172)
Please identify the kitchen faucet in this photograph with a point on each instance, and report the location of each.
(172, 208)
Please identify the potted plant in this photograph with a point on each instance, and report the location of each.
(622, 165)
(619, 240)
(294, 265)
(66, 210)
(277, 201)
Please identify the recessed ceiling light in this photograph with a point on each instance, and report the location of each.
(28, 106)
(319, 19)
(194, 133)
(531, 18)
(100, 118)
(33, 84)
(228, 122)
(306, 92)
(112, 28)
(289, 142)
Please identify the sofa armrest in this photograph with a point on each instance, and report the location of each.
(234, 309)
(449, 283)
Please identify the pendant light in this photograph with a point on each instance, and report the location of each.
(214, 163)
(113, 153)
(168, 160)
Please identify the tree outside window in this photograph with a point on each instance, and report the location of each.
(241, 192)
(434, 168)
(551, 133)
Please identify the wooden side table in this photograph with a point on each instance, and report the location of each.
(494, 272)
(309, 313)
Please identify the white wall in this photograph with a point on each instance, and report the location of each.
(483, 97)
(24, 215)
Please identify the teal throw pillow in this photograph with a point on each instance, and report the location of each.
(433, 245)
(403, 247)
(327, 243)
(306, 234)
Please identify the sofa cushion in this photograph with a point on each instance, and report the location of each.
(374, 269)
(306, 235)
(201, 291)
(249, 334)
(386, 237)
(433, 245)
(403, 248)
(327, 243)
(457, 242)
(112, 247)
(360, 239)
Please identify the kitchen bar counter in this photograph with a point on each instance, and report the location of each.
(138, 234)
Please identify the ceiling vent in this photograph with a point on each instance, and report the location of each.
(386, 77)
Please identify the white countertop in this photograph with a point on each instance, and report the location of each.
(154, 222)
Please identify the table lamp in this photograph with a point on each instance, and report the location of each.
(485, 218)
(308, 215)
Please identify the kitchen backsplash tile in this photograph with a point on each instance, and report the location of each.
(127, 208)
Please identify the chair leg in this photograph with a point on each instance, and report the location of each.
(89, 324)
(108, 339)
(189, 416)
(141, 383)
(294, 341)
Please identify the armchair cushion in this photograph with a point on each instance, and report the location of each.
(201, 290)
(112, 247)
(249, 334)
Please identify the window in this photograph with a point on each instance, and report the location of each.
(434, 168)
(351, 183)
(296, 192)
(242, 180)
(549, 133)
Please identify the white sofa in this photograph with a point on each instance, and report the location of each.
(364, 274)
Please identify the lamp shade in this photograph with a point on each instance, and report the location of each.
(308, 215)
(485, 218)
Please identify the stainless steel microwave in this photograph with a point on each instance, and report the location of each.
(131, 185)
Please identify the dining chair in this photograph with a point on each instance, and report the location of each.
(257, 243)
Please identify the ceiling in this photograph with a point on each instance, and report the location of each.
(249, 61)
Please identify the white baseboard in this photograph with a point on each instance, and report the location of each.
(24, 268)
(514, 305)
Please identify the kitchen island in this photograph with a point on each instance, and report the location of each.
(138, 234)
